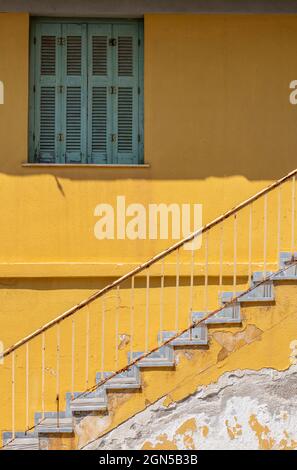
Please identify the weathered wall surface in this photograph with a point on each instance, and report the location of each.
(245, 409)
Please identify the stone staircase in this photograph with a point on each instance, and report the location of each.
(260, 291)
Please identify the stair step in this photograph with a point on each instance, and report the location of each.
(195, 337)
(164, 357)
(128, 379)
(22, 443)
(261, 293)
(88, 403)
(53, 425)
(230, 314)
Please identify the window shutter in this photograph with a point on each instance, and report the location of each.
(46, 101)
(99, 93)
(74, 93)
(126, 104)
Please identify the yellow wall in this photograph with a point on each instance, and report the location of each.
(218, 127)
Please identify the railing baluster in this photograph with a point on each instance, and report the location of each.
(72, 357)
(58, 374)
(103, 338)
(206, 274)
(177, 291)
(42, 374)
(279, 209)
(13, 395)
(132, 306)
(147, 310)
(250, 242)
(161, 326)
(117, 328)
(191, 287)
(27, 386)
(87, 345)
(293, 216)
(221, 258)
(234, 254)
(265, 236)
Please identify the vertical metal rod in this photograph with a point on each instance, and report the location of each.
(147, 311)
(161, 326)
(177, 291)
(206, 274)
(27, 386)
(250, 244)
(13, 395)
(43, 374)
(58, 374)
(265, 236)
(191, 286)
(72, 357)
(102, 338)
(234, 255)
(87, 345)
(293, 216)
(221, 258)
(279, 211)
(117, 328)
(132, 307)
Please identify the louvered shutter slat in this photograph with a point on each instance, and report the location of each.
(126, 106)
(99, 98)
(47, 106)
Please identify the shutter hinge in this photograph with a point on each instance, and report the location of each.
(113, 90)
(60, 88)
(113, 137)
(139, 42)
(139, 90)
(34, 40)
(34, 88)
(61, 41)
(113, 42)
(33, 137)
(60, 137)
(139, 138)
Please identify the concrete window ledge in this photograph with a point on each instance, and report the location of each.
(84, 165)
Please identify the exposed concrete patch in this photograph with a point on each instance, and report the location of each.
(124, 341)
(245, 409)
(232, 341)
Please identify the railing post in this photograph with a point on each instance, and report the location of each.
(27, 386)
(132, 306)
(147, 310)
(87, 345)
(43, 374)
(279, 208)
(235, 255)
(102, 338)
(206, 274)
(265, 236)
(13, 395)
(250, 243)
(72, 357)
(177, 291)
(161, 300)
(293, 216)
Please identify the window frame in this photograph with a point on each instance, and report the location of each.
(32, 105)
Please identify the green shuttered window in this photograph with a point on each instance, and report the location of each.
(86, 92)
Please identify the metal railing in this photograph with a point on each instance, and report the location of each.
(125, 316)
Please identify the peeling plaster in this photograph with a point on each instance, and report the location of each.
(245, 409)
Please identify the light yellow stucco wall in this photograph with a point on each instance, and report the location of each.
(218, 127)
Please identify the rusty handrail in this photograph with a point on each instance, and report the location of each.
(148, 263)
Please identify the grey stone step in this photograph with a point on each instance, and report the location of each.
(195, 337)
(54, 425)
(164, 357)
(230, 314)
(22, 443)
